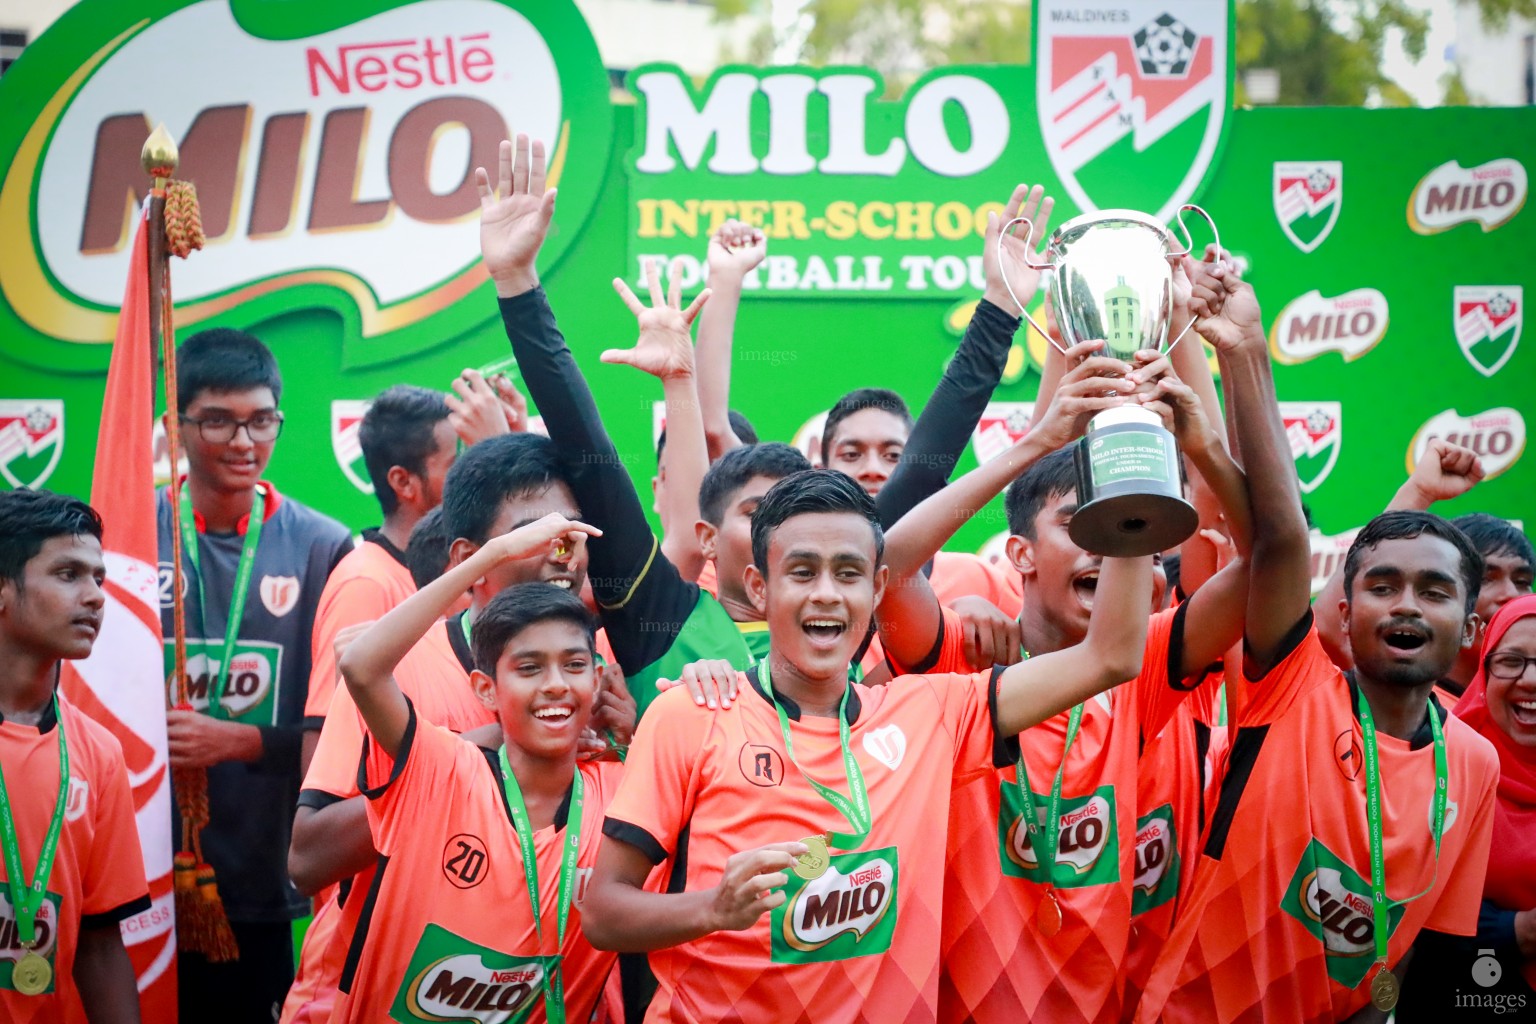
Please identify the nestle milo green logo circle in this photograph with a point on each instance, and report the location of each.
(333, 147)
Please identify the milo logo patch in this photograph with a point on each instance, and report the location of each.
(451, 978)
(1333, 900)
(849, 911)
(46, 925)
(1088, 832)
(251, 691)
(1157, 860)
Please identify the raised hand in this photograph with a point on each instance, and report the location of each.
(1091, 385)
(514, 218)
(1227, 309)
(990, 637)
(553, 536)
(750, 885)
(614, 710)
(1024, 280)
(709, 682)
(474, 409)
(664, 348)
(735, 249)
(1182, 412)
(1443, 472)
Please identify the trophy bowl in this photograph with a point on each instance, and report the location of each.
(1113, 281)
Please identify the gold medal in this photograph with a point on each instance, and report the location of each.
(1384, 990)
(1048, 915)
(812, 864)
(31, 975)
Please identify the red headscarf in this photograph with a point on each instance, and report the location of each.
(1512, 861)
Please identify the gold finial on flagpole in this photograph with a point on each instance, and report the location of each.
(159, 155)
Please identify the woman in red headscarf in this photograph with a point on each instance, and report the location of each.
(1497, 968)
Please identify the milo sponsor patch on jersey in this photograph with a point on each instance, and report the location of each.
(1334, 902)
(1157, 860)
(251, 692)
(46, 934)
(1087, 845)
(451, 978)
(849, 911)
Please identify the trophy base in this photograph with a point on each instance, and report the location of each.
(1130, 487)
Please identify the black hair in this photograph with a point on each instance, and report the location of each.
(807, 492)
(514, 610)
(1054, 475)
(224, 360)
(426, 553)
(857, 401)
(1406, 524)
(491, 472)
(29, 519)
(773, 460)
(398, 430)
(1494, 536)
(742, 427)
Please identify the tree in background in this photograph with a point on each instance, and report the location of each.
(1328, 52)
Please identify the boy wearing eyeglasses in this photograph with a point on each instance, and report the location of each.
(253, 565)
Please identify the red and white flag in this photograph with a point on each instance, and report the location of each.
(122, 684)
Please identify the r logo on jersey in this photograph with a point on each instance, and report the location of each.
(1308, 196)
(1488, 319)
(761, 765)
(1315, 432)
(346, 419)
(31, 439)
(887, 744)
(1151, 81)
(279, 594)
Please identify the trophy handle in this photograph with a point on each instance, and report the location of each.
(1189, 246)
(1032, 265)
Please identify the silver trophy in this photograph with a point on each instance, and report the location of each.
(1112, 280)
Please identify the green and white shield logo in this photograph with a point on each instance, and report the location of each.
(346, 419)
(31, 439)
(1308, 196)
(1147, 89)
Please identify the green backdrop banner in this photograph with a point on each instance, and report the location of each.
(333, 147)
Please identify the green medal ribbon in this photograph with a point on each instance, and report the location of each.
(856, 810)
(1373, 816)
(1043, 841)
(554, 991)
(217, 684)
(26, 899)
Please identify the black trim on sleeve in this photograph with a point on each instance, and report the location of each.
(1005, 749)
(932, 657)
(343, 890)
(312, 723)
(400, 758)
(117, 915)
(364, 920)
(1175, 666)
(318, 799)
(677, 880)
(635, 836)
(1245, 754)
(1288, 645)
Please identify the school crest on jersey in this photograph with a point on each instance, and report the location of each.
(887, 744)
(1087, 843)
(1147, 81)
(452, 978)
(1001, 426)
(31, 439)
(346, 421)
(1308, 196)
(1333, 901)
(1488, 320)
(849, 911)
(1157, 860)
(279, 594)
(1315, 431)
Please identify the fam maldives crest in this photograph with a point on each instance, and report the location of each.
(333, 146)
(1488, 319)
(346, 441)
(1308, 195)
(31, 439)
(1314, 430)
(1133, 98)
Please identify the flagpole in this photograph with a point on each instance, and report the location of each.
(159, 157)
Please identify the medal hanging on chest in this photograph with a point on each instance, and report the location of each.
(1385, 988)
(32, 974)
(1043, 839)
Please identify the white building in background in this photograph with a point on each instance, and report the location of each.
(1498, 65)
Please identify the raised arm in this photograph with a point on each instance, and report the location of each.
(1280, 586)
(952, 412)
(734, 251)
(368, 665)
(1039, 688)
